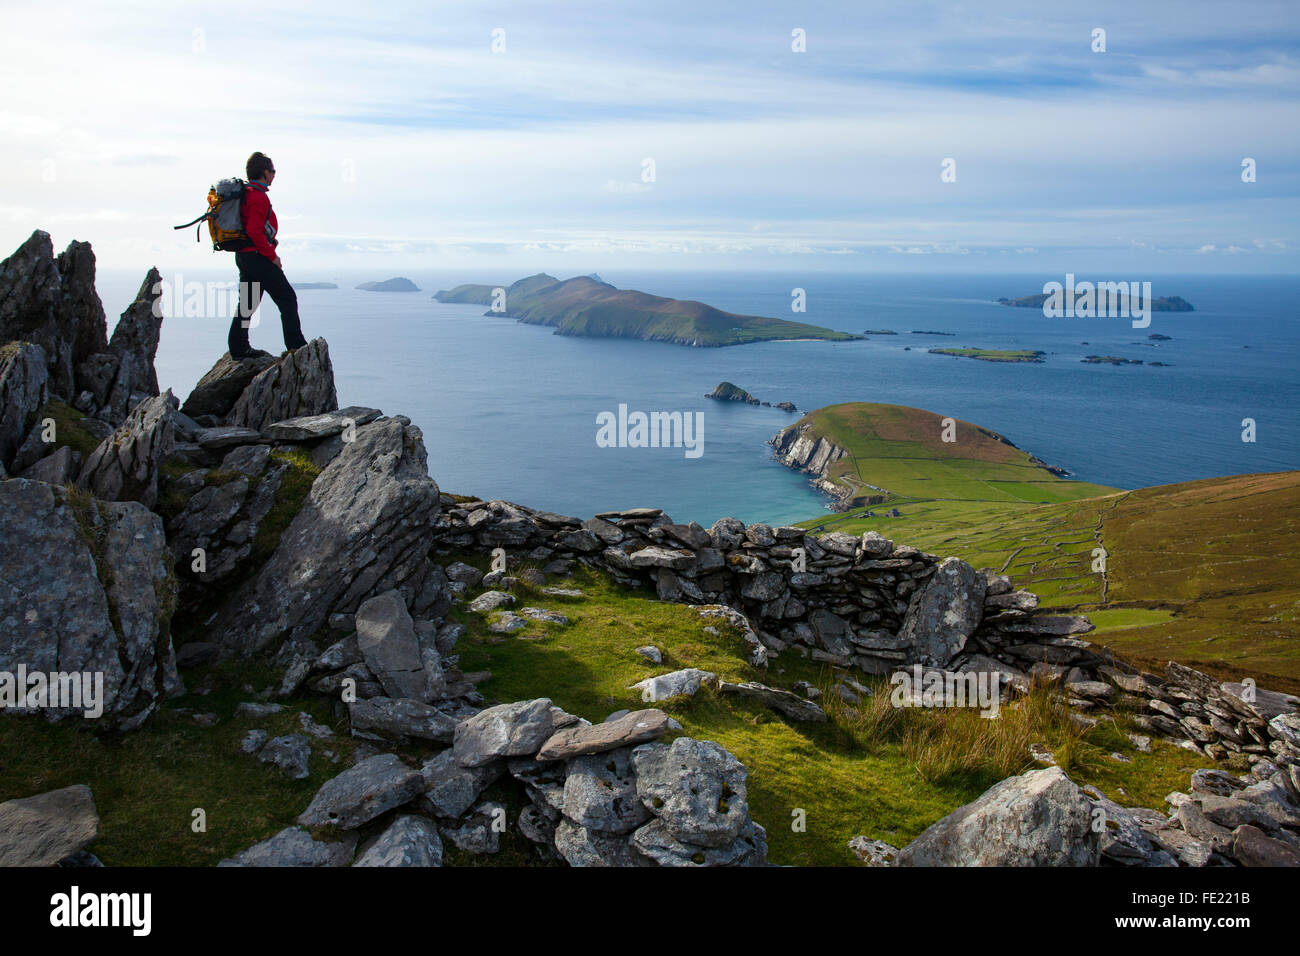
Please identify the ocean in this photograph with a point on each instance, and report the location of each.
(510, 410)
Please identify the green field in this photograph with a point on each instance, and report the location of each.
(1205, 572)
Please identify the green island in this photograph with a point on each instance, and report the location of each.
(1111, 360)
(994, 355)
(1171, 303)
(586, 306)
(1204, 572)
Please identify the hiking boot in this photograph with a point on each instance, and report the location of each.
(251, 353)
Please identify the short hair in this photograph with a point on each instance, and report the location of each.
(257, 166)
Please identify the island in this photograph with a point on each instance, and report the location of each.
(1110, 360)
(1172, 303)
(586, 306)
(994, 355)
(397, 284)
(726, 392)
(879, 332)
(315, 285)
(1157, 337)
(924, 332)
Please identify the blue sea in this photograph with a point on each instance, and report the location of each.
(509, 410)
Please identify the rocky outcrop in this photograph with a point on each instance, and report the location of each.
(796, 447)
(127, 465)
(52, 303)
(301, 383)
(220, 387)
(366, 527)
(23, 390)
(1041, 818)
(47, 828)
(85, 589)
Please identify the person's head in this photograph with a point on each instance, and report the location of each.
(261, 168)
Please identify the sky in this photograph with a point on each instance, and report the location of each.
(573, 137)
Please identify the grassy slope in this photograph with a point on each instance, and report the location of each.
(902, 450)
(1204, 572)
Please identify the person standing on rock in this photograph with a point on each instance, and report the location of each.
(259, 266)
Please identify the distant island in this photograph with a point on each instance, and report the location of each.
(1110, 360)
(994, 355)
(924, 332)
(314, 285)
(1171, 303)
(585, 306)
(726, 392)
(397, 284)
(1157, 337)
(879, 332)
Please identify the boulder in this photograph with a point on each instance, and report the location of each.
(401, 718)
(944, 613)
(582, 847)
(387, 640)
(59, 468)
(220, 387)
(357, 795)
(291, 753)
(294, 846)
(46, 828)
(407, 841)
(600, 792)
(636, 727)
(507, 730)
(450, 789)
(696, 788)
(1040, 818)
(1252, 847)
(686, 681)
(127, 465)
(24, 388)
(299, 384)
(657, 841)
(59, 615)
(326, 425)
(366, 527)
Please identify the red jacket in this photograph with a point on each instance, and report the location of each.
(259, 220)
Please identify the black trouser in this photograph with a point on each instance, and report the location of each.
(258, 274)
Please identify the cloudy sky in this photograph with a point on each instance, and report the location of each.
(401, 136)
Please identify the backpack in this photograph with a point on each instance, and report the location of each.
(224, 216)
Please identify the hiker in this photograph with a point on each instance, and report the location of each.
(258, 264)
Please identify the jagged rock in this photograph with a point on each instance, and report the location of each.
(59, 468)
(875, 545)
(696, 788)
(290, 753)
(357, 795)
(46, 828)
(944, 613)
(220, 387)
(686, 681)
(325, 425)
(24, 388)
(507, 730)
(407, 841)
(366, 527)
(134, 345)
(1041, 818)
(57, 614)
(127, 465)
(600, 792)
(299, 384)
(387, 640)
(294, 846)
(402, 718)
(657, 841)
(782, 701)
(582, 847)
(226, 436)
(637, 727)
(1252, 847)
(464, 573)
(450, 789)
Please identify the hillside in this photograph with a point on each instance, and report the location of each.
(871, 453)
(1202, 572)
(586, 306)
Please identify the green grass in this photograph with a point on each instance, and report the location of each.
(993, 355)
